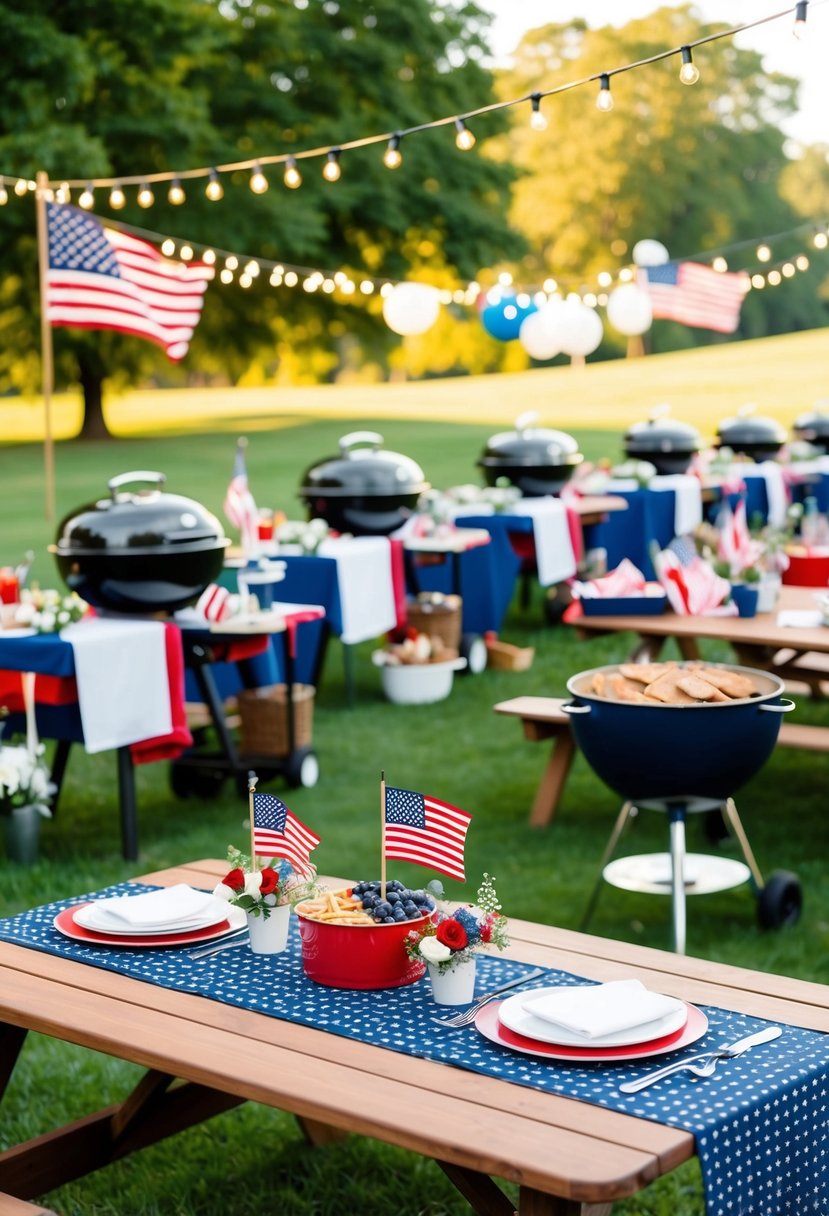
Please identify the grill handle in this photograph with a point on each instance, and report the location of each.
(525, 421)
(570, 708)
(785, 707)
(123, 479)
(354, 437)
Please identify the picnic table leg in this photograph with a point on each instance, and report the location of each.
(536, 1203)
(483, 1195)
(552, 782)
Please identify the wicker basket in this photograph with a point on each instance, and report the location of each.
(264, 715)
(506, 657)
(439, 620)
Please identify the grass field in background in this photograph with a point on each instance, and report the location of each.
(253, 1160)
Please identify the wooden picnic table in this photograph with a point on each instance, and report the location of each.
(559, 1151)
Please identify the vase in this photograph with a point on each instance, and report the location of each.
(455, 986)
(768, 591)
(745, 597)
(269, 935)
(21, 833)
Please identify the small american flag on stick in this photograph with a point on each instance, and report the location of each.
(239, 504)
(426, 831)
(104, 278)
(278, 833)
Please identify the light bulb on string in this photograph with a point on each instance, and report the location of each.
(331, 170)
(87, 197)
(175, 194)
(763, 253)
(788, 269)
(292, 177)
(537, 120)
(186, 253)
(145, 196)
(168, 247)
(232, 262)
(117, 198)
(209, 257)
(720, 265)
(802, 262)
(820, 240)
(799, 27)
(63, 194)
(604, 101)
(258, 181)
(464, 138)
(214, 188)
(775, 278)
(393, 157)
(4, 194)
(689, 72)
(21, 187)
(758, 280)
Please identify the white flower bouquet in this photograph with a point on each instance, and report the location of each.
(24, 779)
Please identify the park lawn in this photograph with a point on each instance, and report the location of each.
(253, 1160)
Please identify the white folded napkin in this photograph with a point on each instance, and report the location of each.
(364, 578)
(156, 909)
(554, 554)
(601, 1009)
(687, 501)
(795, 618)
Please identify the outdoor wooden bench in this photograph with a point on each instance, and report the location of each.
(543, 718)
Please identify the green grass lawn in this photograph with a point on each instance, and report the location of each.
(253, 1160)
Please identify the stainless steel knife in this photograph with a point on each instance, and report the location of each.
(720, 1053)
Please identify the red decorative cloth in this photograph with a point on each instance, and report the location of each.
(169, 747)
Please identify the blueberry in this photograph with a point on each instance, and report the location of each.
(410, 908)
(383, 908)
(398, 913)
(393, 897)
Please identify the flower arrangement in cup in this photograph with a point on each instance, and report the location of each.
(308, 535)
(455, 937)
(47, 611)
(258, 890)
(24, 779)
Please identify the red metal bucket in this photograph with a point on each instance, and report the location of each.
(358, 956)
(807, 570)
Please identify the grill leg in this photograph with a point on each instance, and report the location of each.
(627, 812)
(735, 825)
(678, 876)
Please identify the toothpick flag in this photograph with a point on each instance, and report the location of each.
(278, 833)
(426, 831)
(103, 278)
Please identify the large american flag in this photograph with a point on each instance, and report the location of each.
(239, 504)
(102, 278)
(695, 295)
(426, 831)
(278, 833)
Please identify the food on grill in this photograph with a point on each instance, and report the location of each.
(672, 684)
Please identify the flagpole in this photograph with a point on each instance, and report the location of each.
(252, 780)
(47, 354)
(382, 833)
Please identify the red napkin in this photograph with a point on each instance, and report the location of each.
(169, 747)
(398, 581)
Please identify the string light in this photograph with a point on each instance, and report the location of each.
(464, 138)
(799, 27)
(168, 248)
(802, 262)
(145, 196)
(775, 278)
(689, 72)
(763, 253)
(186, 253)
(214, 188)
(175, 194)
(4, 194)
(537, 120)
(789, 270)
(258, 181)
(604, 101)
(393, 157)
(293, 177)
(209, 257)
(87, 198)
(820, 240)
(331, 170)
(63, 194)
(720, 265)
(117, 198)
(21, 187)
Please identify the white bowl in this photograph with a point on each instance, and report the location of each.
(418, 683)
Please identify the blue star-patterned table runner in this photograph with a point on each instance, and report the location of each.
(761, 1122)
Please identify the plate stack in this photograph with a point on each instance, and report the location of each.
(172, 916)
(595, 1023)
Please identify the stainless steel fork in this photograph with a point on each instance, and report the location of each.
(468, 1016)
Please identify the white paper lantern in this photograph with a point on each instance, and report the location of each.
(629, 310)
(540, 332)
(411, 308)
(579, 329)
(650, 253)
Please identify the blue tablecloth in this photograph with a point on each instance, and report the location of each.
(760, 1122)
(486, 580)
(649, 519)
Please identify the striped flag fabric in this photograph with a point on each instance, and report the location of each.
(239, 505)
(426, 831)
(695, 295)
(104, 278)
(278, 833)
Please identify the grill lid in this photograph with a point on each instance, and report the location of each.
(530, 446)
(364, 471)
(660, 433)
(814, 425)
(750, 429)
(139, 522)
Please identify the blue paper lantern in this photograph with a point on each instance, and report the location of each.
(503, 315)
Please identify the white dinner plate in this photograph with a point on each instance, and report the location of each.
(515, 1017)
(91, 916)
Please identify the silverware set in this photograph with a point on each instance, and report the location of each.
(703, 1064)
(229, 942)
(468, 1016)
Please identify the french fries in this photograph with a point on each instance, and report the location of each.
(335, 907)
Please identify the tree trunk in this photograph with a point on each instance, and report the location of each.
(92, 382)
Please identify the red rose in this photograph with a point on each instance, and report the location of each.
(235, 879)
(486, 929)
(452, 934)
(270, 881)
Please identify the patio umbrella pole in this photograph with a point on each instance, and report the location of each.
(47, 357)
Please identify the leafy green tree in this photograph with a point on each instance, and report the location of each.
(101, 88)
(695, 167)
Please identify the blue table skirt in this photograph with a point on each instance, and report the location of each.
(760, 1122)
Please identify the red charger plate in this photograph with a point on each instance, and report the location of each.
(64, 922)
(488, 1023)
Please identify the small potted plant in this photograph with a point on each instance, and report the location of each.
(25, 790)
(451, 941)
(265, 894)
